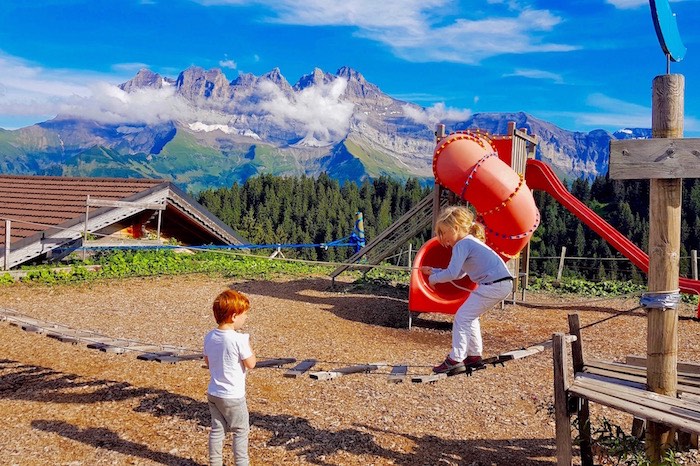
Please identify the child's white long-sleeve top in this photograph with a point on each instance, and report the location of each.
(473, 258)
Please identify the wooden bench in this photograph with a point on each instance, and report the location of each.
(619, 386)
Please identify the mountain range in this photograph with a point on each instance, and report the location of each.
(201, 130)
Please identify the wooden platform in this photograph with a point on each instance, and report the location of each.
(621, 386)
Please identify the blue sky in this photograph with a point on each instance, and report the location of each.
(580, 64)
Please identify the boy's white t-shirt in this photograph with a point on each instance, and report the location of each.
(226, 349)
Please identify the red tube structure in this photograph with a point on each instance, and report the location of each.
(467, 164)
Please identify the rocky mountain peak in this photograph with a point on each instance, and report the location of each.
(276, 77)
(195, 83)
(360, 89)
(244, 79)
(350, 74)
(145, 78)
(317, 76)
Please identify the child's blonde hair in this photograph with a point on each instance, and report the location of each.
(460, 220)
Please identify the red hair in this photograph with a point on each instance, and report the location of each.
(228, 304)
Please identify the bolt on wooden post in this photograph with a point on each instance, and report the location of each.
(664, 160)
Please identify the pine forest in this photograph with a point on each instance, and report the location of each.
(303, 211)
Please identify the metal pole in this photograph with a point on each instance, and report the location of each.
(694, 263)
(158, 231)
(410, 255)
(7, 243)
(85, 229)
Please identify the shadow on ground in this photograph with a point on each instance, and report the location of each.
(384, 306)
(295, 434)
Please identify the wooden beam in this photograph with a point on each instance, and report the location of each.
(92, 202)
(654, 158)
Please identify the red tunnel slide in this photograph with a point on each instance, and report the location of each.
(540, 176)
(466, 164)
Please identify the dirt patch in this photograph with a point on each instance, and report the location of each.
(66, 404)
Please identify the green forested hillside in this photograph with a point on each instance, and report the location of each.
(268, 210)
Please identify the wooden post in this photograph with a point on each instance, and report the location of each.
(664, 258)
(561, 262)
(437, 190)
(410, 255)
(562, 418)
(584, 421)
(694, 263)
(8, 237)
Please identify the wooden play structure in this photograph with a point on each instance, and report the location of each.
(478, 169)
(509, 153)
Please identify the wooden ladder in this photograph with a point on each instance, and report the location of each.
(402, 230)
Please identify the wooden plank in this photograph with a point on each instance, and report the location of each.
(429, 378)
(634, 406)
(680, 407)
(684, 378)
(154, 356)
(637, 378)
(398, 374)
(500, 359)
(637, 382)
(683, 366)
(279, 362)
(300, 368)
(335, 373)
(176, 357)
(634, 159)
(32, 328)
(68, 335)
(690, 396)
(107, 348)
(522, 353)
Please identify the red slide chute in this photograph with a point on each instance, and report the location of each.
(467, 164)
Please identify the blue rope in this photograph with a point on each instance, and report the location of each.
(335, 243)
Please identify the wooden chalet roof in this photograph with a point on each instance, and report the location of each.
(46, 212)
(35, 203)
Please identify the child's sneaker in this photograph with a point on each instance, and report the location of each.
(474, 362)
(450, 367)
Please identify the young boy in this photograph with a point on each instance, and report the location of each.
(228, 355)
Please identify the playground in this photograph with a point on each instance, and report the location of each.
(66, 404)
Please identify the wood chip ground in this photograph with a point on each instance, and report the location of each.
(66, 404)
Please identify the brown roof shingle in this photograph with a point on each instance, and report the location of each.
(33, 203)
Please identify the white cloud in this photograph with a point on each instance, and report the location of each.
(537, 74)
(422, 30)
(438, 113)
(316, 112)
(129, 68)
(627, 4)
(228, 63)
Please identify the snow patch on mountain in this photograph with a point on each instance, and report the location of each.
(203, 127)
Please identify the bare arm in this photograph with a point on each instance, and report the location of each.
(250, 362)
